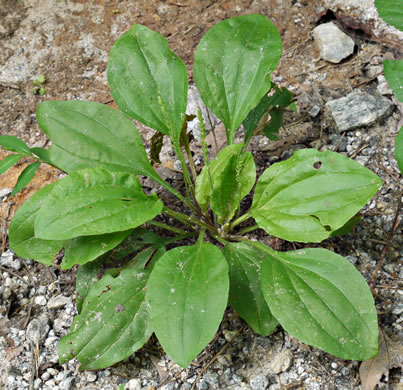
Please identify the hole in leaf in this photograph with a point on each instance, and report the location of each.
(317, 164)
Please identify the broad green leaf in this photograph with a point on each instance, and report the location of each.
(311, 194)
(21, 232)
(233, 64)
(81, 250)
(87, 134)
(226, 181)
(188, 293)
(87, 276)
(321, 299)
(114, 321)
(15, 145)
(9, 161)
(393, 70)
(148, 81)
(95, 201)
(399, 149)
(245, 293)
(391, 11)
(25, 177)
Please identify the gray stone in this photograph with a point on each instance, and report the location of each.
(38, 329)
(356, 110)
(133, 384)
(58, 301)
(259, 382)
(66, 384)
(315, 110)
(333, 44)
(281, 361)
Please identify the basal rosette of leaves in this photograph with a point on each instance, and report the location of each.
(100, 215)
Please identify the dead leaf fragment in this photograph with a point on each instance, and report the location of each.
(390, 355)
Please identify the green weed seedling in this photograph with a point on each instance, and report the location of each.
(99, 212)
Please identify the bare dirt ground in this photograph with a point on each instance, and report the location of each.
(68, 42)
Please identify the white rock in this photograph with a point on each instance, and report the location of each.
(281, 361)
(40, 300)
(5, 192)
(57, 302)
(91, 377)
(133, 384)
(7, 260)
(334, 44)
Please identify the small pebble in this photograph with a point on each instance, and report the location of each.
(91, 377)
(40, 300)
(334, 365)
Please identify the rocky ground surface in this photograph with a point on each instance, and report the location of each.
(68, 42)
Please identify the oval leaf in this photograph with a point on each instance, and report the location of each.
(15, 145)
(9, 161)
(25, 177)
(233, 64)
(148, 81)
(311, 194)
(321, 299)
(21, 231)
(114, 321)
(95, 201)
(81, 250)
(87, 134)
(188, 292)
(391, 11)
(245, 293)
(226, 181)
(393, 70)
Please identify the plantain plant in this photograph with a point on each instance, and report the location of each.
(100, 215)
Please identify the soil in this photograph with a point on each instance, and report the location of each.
(68, 42)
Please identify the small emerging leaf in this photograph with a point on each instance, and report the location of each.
(348, 227)
(321, 299)
(25, 177)
(188, 292)
(14, 144)
(245, 293)
(95, 201)
(21, 232)
(311, 195)
(226, 181)
(9, 161)
(43, 154)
